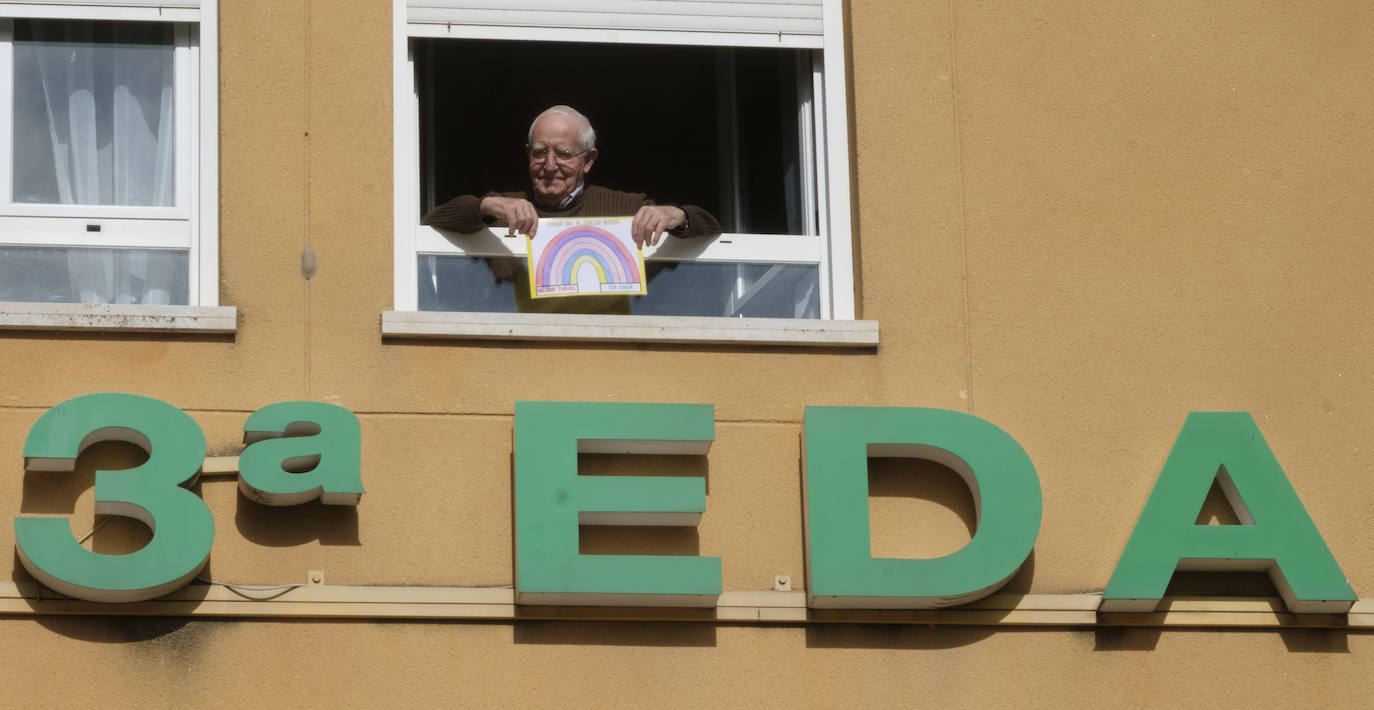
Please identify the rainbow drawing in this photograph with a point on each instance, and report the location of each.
(586, 259)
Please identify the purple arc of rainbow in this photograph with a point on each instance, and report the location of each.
(563, 252)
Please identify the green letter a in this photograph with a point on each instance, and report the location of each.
(1276, 534)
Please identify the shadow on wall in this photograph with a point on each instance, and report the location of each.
(917, 509)
(917, 636)
(1222, 585)
(268, 526)
(644, 465)
(602, 633)
(914, 637)
(1123, 638)
(181, 637)
(167, 630)
(1315, 640)
(638, 540)
(1295, 640)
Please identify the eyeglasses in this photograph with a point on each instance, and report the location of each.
(562, 154)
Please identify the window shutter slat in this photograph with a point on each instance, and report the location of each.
(782, 17)
(151, 10)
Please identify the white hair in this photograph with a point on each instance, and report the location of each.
(586, 136)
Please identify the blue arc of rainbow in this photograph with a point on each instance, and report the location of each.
(566, 253)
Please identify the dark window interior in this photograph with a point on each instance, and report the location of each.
(714, 127)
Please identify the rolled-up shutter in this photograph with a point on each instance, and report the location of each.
(750, 22)
(154, 10)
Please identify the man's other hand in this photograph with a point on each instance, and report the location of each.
(653, 221)
(517, 213)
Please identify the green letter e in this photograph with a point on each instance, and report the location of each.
(552, 500)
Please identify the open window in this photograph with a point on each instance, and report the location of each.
(738, 109)
(108, 153)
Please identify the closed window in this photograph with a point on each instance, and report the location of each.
(103, 153)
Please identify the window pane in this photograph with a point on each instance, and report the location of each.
(733, 290)
(766, 174)
(76, 275)
(93, 121)
(461, 283)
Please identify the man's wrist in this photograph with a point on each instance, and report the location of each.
(681, 229)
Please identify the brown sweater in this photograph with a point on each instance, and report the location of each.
(462, 214)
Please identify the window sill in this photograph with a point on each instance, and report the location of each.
(630, 329)
(90, 317)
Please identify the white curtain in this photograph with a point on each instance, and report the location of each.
(94, 103)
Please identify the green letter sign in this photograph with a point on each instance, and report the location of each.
(1276, 533)
(552, 500)
(843, 571)
(182, 527)
(286, 439)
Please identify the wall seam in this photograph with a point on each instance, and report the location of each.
(963, 207)
(309, 179)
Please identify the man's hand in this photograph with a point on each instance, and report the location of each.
(518, 213)
(652, 221)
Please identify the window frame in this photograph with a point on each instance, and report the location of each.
(830, 246)
(192, 223)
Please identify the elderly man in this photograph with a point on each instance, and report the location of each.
(561, 150)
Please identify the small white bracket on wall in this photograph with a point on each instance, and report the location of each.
(314, 576)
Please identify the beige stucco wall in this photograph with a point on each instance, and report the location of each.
(142, 663)
(1078, 220)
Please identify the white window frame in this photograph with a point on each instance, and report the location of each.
(191, 224)
(824, 117)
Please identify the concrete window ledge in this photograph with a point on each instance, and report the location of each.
(93, 317)
(631, 329)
